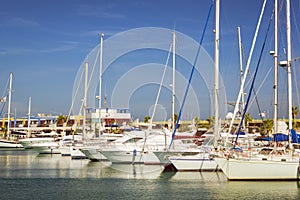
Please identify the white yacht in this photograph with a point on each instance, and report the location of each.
(91, 148)
(4, 144)
(142, 150)
(43, 143)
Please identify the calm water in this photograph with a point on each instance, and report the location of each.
(26, 175)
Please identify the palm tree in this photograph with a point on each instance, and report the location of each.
(175, 118)
(248, 118)
(267, 127)
(294, 114)
(147, 118)
(61, 119)
(196, 120)
(211, 121)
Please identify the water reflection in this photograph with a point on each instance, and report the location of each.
(28, 164)
(148, 179)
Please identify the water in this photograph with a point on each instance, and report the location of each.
(26, 175)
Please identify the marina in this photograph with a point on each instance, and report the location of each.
(25, 173)
(149, 116)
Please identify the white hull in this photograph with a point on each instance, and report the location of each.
(93, 154)
(9, 144)
(65, 150)
(124, 157)
(30, 143)
(46, 148)
(150, 158)
(76, 153)
(198, 162)
(258, 169)
(164, 156)
(129, 157)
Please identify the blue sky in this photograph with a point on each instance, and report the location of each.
(45, 42)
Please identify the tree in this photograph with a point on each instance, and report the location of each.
(197, 121)
(175, 118)
(294, 114)
(61, 119)
(211, 121)
(266, 127)
(147, 118)
(248, 118)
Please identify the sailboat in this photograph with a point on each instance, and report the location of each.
(274, 166)
(200, 158)
(8, 143)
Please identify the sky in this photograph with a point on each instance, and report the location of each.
(45, 43)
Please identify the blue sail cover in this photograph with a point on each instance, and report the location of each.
(279, 137)
(295, 136)
(263, 139)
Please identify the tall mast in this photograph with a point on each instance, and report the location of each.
(9, 104)
(246, 69)
(216, 74)
(241, 71)
(275, 55)
(84, 99)
(29, 110)
(100, 81)
(289, 58)
(173, 82)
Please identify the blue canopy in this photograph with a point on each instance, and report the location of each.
(295, 136)
(263, 139)
(279, 137)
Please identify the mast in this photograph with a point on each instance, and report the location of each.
(173, 82)
(241, 71)
(84, 99)
(28, 124)
(9, 104)
(247, 68)
(100, 81)
(216, 74)
(275, 55)
(289, 58)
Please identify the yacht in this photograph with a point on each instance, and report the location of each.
(42, 143)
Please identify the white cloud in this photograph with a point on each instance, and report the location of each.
(18, 21)
(64, 46)
(94, 11)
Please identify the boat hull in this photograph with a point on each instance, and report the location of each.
(93, 154)
(10, 145)
(124, 157)
(255, 169)
(199, 162)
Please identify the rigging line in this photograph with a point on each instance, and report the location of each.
(296, 24)
(247, 68)
(3, 105)
(73, 99)
(4, 94)
(91, 75)
(254, 77)
(5, 88)
(192, 72)
(245, 63)
(281, 38)
(158, 94)
(93, 69)
(160, 86)
(296, 85)
(264, 79)
(262, 83)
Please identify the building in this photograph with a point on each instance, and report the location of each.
(109, 117)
